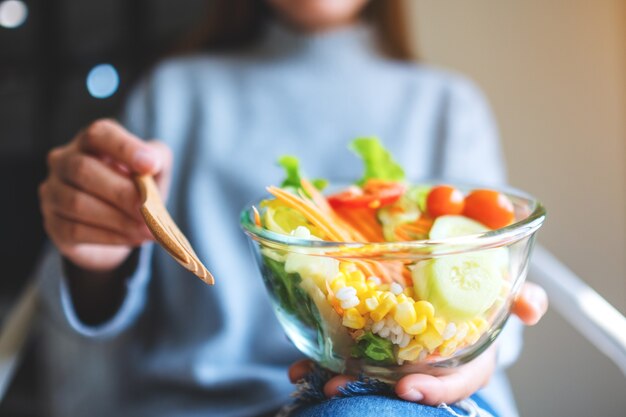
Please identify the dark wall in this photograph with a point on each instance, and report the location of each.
(44, 100)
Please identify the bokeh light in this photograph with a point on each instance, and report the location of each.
(13, 13)
(103, 81)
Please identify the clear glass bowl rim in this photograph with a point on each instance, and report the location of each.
(494, 238)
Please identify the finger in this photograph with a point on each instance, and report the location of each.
(531, 304)
(106, 137)
(432, 390)
(164, 175)
(95, 177)
(331, 388)
(71, 203)
(299, 370)
(65, 232)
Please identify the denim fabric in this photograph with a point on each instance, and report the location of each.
(378, 406)
(370, 397)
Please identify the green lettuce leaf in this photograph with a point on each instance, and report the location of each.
(419, 194)
(374, 348)
(379, 163)
(291, 165)
(290, 296)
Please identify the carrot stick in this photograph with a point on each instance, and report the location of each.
(368, 217)
(257, 216)
(321, 202)
(337, 227)
(382, 271)
(367, 270)
(317, 197)
(401, 234)
(365, 222)
(311, 212)
(397, 271)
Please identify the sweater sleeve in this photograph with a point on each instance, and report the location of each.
(472, 155)
(471, 150)
(56, 299)
(57, 303)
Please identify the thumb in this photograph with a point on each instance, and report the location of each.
(160, 155)
(531, 304)
(107, 138)
(163, 154)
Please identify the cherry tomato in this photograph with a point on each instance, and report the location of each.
(374, 194)
(444, 199)
(489, 207)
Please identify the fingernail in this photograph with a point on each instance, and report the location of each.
(413, 395)
(146, 160)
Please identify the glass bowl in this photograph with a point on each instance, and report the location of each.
(335, 305)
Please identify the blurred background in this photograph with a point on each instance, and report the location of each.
(553, 70)
(555, 74)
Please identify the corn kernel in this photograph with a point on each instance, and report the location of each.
(361, 287)
(378, 314)
(430, 339)
(406, 339)
(338, 283)
(472, 334)
(439, 324)
(340, 275)
(425, 308)
(405, 314)
(450, 331)
(387, 302)
(396, 288)
(357, 276)
(373, 282)
(362, 308)
(352, 319)
(391, 297)
(349, 303)
(367, 294)
(462, 330)
(448, 347)
(371, 303)
(402, 298)
(345, 293)
(347, 267)
(481, 324)
(411, 352)
(418, 327)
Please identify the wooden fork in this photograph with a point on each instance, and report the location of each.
(165, 230)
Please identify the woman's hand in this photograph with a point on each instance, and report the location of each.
(89, 202)
(530, 306)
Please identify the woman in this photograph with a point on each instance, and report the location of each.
(128, 332)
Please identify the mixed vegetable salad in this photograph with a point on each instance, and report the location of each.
(385, 312)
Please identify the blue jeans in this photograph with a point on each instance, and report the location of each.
(382, 406)
(370, 398)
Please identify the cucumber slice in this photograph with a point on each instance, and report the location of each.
(455, 226)
(458, 286)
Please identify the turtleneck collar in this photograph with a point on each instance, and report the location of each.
(357, 41)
